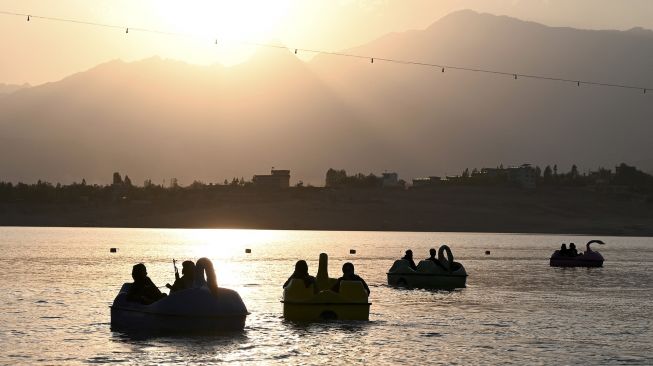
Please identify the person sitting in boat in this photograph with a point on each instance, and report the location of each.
(349, 275)
(301, 273)
(563, 249)
(432, 257)
(409, 257)
(143, 290)
(573, 252)
(186, 279)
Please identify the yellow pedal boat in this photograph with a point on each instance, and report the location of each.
(301, 303)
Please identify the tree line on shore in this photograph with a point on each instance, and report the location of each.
(623, 175)
(628, 178)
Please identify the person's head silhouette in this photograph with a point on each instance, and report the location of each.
(188, 268)
(301, 267)
(409, 253)
(139, 272)
(432, 252)
(348, 268)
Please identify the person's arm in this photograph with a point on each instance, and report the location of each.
(359, 278)
(154, 288)
(366, 287)
(178, 285)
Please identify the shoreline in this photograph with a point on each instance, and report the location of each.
(573, 211)
(524, 233)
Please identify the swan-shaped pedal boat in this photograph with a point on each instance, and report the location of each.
(444, 275)
(203, 308)
(301, 303)
(588, 259)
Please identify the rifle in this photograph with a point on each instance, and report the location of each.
(174, 264)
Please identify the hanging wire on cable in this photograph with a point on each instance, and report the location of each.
(342, 54)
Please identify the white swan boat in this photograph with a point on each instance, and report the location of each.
(204, 308)
(590, 258)
(446, 274)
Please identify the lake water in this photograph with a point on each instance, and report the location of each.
(57, 285)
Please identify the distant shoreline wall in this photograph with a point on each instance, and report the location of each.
(447, 209)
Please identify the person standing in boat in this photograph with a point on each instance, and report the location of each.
(409, 257)
(349, 275)
(143, 290)
(301, 273)
(187, 278)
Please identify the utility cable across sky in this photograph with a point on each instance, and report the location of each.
(372, 59)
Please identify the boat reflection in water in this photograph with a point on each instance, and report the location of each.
(202, 308)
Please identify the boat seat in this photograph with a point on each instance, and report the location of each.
(297, 290)
(401, 266)
(428, 266)
(353, 291)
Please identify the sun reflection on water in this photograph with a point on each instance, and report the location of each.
(226, 249)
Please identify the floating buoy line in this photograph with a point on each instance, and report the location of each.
(372, 59)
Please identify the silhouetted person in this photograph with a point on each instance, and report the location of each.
(301, 273)
(572, 250)
(432, 257)
(349, 275)
(143, 290)
(186, 280)
(409, 258)
(563, 249)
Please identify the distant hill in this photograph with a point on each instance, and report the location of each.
(10, 88)
(161, 119)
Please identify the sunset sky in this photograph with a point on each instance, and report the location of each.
(42, 51)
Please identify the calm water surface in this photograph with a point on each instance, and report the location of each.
(57, 285)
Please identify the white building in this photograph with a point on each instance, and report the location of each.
(523, 175)
(390, 180)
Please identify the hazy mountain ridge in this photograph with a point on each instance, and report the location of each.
(160, 119)
(10, 88)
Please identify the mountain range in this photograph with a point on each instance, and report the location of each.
(10, 88)
(161, 119)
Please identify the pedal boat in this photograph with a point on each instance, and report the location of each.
(445, 275)
(588, 259)
(301, 303)
(203, 308)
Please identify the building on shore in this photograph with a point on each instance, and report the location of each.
(427, 182)
(276, 179)
(390, 180)
(523, 175)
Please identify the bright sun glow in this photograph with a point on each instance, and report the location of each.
(228, 20)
